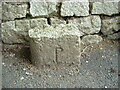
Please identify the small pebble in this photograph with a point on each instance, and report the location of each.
(49, 76)
(3, 63)
(103, 56)
(24, 69)
(27, 73)
(21, 78)
(105, 86)
(86, 61)
(71, 74)
(60, 76)
(12, 55)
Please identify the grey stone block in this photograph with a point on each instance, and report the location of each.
(55, 46)
(90, 39)
(106, 8)
(114, 36)
(43, 8)
(75, 8)
(38, 22)
(57, 21)
(87, 25)
(12, 11)
(17, 31)
(10, 34)
(110, 25)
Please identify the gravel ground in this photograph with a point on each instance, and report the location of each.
(99, 69)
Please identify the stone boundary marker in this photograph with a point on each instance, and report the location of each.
(55, 46)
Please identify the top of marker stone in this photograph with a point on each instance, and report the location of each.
(55, 31)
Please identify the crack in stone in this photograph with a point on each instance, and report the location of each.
(49, 21)
(90, 7)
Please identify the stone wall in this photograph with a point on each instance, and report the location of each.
(93, 21)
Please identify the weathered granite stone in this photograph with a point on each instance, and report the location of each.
(114, 36)
(54, 31)
(56, 21)
(55, 46)
(75, 8)
(40, 22)
(0, 11)
(87, 25)
(104, 1)
(42, 8)
(22, 27)
(12, 11)
(10, 34)
(17, 31)
(107, 8)
(52, 8)
(110, 25)
(89, 39)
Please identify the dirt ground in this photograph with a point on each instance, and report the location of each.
(99, 69)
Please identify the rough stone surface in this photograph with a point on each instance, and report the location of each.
(12, 11)
(75, 8)
(0, 21)
(40, 22)
(114, 36)
(89, 39)
(17, 31)
(0, 11)
(43, 8)
(87, 25)
(110, 25)
(107, 8)
(56, 21)
(10, 34)
(54, 31)
(22, 27)
(55, 46)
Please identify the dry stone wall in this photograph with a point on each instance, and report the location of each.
(59, 27)
(91, 18)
